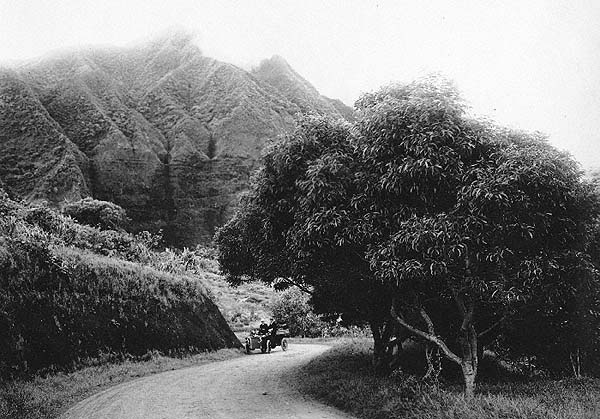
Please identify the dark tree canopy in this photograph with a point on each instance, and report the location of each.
(419, 220)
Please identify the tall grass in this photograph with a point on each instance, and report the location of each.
(343, 377)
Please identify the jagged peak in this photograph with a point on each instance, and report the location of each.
(175, 36)
(274, 64)
(277, 60)
(277, 72)
(277, 68)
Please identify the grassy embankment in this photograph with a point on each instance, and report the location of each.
(242, 306)
(344, 378)
(62, 302)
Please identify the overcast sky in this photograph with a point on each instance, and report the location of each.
(528, 64)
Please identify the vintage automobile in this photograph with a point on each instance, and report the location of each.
(266, 342)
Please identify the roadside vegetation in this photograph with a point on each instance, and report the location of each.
(292, 307)
(344, 377)
(70, 292)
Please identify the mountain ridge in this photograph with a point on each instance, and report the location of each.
(161, 129)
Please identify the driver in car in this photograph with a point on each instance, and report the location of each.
(263, 329)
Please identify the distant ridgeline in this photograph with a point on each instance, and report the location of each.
(163, 131)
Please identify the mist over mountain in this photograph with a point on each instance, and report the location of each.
(169, 134)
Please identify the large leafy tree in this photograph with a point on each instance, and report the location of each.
(416, 219)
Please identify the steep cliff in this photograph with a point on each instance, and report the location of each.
(162, 130)
(37, 161)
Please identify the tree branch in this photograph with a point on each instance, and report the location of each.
(466, 312)
(468, 318)
(492, 327)
(427, 336)
(427, 321)
(458, 299)
(296, 284)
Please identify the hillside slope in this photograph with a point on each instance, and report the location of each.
(162, 130)
(36, 159)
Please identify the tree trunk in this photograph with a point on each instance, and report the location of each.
(470, 361)
(382, 358)
(434, 362)
(469, 374)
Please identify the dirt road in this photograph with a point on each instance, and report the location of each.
(253, 386)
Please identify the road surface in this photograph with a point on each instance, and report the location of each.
(252, 386)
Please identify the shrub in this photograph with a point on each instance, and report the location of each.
(7, 206)
(291, 307)
(102, 214)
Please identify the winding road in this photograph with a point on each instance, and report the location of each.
(252, 386)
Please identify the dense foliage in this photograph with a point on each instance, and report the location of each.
(62, 299)
(102, 214)
(423, 222)
(291, 308)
